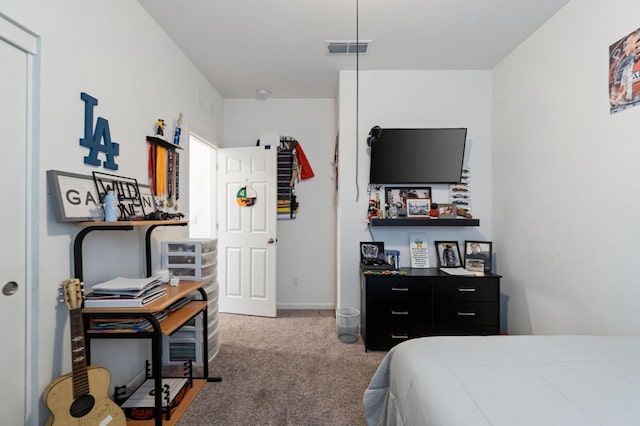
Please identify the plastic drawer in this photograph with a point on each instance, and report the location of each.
(181, 259)
(191, 245)
(183, 334)
(212, 291)
(193, 273)
(214, 344)
(210, 280)
(180, 350)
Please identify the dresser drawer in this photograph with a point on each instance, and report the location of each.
(399, 312)
(387, 334)
(385, 287)
(466, 330)
(465, 314)
(467, 289)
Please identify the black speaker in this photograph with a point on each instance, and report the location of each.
(374, 134)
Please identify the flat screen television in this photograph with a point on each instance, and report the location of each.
(406, 156)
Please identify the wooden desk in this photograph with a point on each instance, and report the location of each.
(173, 322)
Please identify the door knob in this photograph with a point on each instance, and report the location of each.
(271, 240)
(10, 288)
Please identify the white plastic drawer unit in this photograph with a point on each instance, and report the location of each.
(195, 260)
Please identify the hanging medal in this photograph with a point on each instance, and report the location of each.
(176, 170)
(172, 164)
(161, 175)
(246, 196)
(151, 167)
(170, 177)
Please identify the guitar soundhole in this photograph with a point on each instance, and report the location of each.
(82, 406)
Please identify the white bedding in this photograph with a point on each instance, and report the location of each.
(507, 380)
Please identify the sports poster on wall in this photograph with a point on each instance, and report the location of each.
(75, 197)
(624, 73)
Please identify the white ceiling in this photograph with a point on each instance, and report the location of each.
(243, 45)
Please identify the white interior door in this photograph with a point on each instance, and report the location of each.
(247, 235)
(16, 48)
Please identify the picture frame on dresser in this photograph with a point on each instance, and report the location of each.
(478, 251)
(372, 252)
(448, 254)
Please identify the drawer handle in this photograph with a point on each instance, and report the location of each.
(399, 289)
(466, 314)
(471, 290)
(399, 336)
(399, 312)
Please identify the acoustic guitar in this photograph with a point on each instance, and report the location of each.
(81, 397)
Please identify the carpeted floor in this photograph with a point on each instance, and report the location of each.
(289, 370)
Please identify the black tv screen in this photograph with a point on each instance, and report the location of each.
(417, 156)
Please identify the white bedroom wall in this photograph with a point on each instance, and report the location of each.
(306, 246)
(565, 192)
(408, 99)
(115, 52)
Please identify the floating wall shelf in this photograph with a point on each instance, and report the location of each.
(424, 222)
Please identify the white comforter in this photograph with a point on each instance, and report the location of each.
(508, 380)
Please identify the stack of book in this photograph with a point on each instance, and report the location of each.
(125, 293)
(125, 325)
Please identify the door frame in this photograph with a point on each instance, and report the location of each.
(213, 218)
(27, 41)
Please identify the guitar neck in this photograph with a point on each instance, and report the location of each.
(89, 405)
(78, 354)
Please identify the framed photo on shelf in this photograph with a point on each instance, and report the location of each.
(447, 211)
(399, 195)
(418, 207)
(476, 252)
(448, 254)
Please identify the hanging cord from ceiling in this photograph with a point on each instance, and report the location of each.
(357, 97)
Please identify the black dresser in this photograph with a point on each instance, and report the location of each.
(426, 302)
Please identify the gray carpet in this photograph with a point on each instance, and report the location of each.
(289, 370)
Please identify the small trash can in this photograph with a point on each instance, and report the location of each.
(348, 323)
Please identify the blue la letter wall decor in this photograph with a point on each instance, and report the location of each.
(92, 140)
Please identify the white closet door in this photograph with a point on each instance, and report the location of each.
(16, 48)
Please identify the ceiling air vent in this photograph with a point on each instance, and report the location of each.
(346, 47)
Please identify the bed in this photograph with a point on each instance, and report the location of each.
(507, 380)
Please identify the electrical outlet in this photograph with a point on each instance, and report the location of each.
(296, 281)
